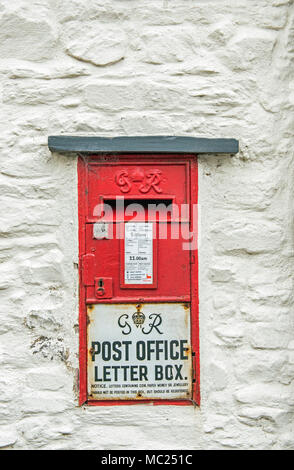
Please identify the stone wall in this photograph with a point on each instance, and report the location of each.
(213, 68)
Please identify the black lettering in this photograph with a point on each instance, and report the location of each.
(116, 345)
(106, 374)
(183, 350)
(154, 324)
(158, 373)
(96, 375)
(127, 349)
(106, 351)
(159, 349)
(174, 355)
(178, 372)
(166, 350)
(150, 349)
(125, 369)
(134, 373)
(169, 372)
(95, 349)
(122, 322)
(115, 368)
(141, 350)
(143, 373)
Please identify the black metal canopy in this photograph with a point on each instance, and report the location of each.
(141, 144)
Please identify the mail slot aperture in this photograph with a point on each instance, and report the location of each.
(124, 208)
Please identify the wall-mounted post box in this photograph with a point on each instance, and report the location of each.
(138, 218)
(138, 243)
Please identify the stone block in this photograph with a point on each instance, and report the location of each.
(266, 365)
(249, 48)
(230, 336)
(95, 42)
(246, 236)
(274, 395)
(265, 337)
(217, 376)
(27, 36)
(8, 436)
(45, 402)
(41, 378)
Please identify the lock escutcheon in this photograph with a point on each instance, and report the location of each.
(103, 287)
(100, 291)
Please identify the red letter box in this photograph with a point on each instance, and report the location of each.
(138, 279)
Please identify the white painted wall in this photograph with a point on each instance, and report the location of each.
(213, 68)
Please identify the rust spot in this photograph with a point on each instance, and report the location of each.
(188, 352)
(186, 307)
(88, 320)
(90, 307)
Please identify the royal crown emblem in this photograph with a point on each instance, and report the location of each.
(138, 317)
(137, 175)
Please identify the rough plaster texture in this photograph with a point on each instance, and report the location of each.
(213, 68)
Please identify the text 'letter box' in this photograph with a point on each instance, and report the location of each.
(138, 279)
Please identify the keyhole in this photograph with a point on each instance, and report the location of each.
(100, 289)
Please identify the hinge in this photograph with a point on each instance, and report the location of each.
(195, 381)
(194, 377)
(194, 368)
(88, 269)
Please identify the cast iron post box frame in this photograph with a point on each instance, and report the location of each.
(138, 150)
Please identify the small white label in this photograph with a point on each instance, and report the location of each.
(139, 253)
(100, 230)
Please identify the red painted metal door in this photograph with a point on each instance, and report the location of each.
(138, 253)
